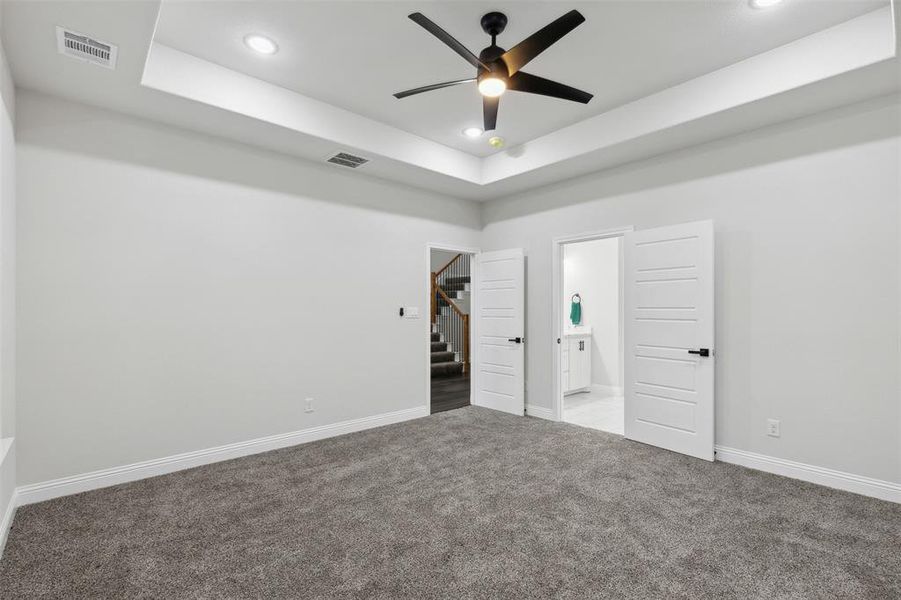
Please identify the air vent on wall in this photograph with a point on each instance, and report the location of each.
(83, 47)
(347, 160)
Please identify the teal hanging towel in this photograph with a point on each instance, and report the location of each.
(575, 311)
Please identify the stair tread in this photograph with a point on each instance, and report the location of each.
(446, 368)
(450, 288)
(461, 279)
(454, 300)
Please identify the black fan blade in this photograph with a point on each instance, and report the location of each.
(445, 37)
(524, 82)
(489, 106)
(434, 86)
(516, 57)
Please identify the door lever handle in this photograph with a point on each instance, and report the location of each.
(516, 340)
(701, 352)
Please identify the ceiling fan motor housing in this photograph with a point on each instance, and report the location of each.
(498, 71)
(491, 56)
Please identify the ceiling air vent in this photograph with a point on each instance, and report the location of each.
(83, 47)
(347, 160)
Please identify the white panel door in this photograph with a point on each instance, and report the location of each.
(500, 297)
(669, 338)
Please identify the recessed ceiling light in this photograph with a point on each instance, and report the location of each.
(492, 86)
(763, 3)
(496, 142)
(473, 132)
(260, 43)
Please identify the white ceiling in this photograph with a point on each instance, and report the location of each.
(355, 55)
(853, 61)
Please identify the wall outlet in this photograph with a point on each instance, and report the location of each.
(772, 428)
(308, 405)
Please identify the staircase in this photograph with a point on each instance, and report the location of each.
(450, 318)
(444, 363)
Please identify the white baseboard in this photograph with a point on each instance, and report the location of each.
(876, 488)
(606, 390)
(540, 412)
(38, 492)
(7, 521)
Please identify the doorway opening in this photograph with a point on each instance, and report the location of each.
(450, 330)
(589, 317)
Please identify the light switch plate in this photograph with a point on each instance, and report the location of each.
(411, 312)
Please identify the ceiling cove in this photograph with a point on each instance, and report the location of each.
(719, 68)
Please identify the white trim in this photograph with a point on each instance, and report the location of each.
(5, 445)
(472, 252)
(607, 390)
(7, 521)
(533, 410)
(38, 492)
(867, 486)
(557, 326)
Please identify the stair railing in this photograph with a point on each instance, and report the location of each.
(458, 328)
(443, 271)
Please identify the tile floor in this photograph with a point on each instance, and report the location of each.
(594, 410)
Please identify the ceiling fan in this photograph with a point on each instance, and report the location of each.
(498, 70)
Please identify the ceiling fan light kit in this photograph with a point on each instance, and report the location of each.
(498, 70)
(492, 86)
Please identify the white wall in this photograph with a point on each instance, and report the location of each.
(807, 268)
(439, 258)
(179, 292)
(7, 292)
(591, 269)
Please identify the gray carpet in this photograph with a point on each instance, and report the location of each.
(463, 504)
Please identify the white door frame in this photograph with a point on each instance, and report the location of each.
(557, 312)
(473, 266)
